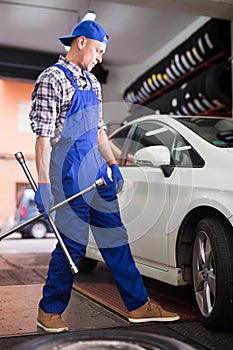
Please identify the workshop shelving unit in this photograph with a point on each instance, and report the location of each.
(194, 79)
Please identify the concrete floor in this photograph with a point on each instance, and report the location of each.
(21, 282)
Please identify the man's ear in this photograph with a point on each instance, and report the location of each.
(81, 42)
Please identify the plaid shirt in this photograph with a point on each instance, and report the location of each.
(52, 97)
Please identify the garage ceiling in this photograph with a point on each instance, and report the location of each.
(137, 28)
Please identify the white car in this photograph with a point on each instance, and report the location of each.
(177, 204)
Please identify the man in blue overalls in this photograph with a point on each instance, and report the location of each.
(66, 115)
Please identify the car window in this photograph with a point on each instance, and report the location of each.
(118, 142)
(32, 203)
(151, 133)
(217, 131)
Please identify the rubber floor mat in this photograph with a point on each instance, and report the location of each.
(100, 287)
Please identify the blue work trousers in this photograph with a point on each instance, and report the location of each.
(112, 241)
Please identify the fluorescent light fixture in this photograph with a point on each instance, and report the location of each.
(89, 16)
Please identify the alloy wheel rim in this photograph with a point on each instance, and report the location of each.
(38, 230)
(204, 274)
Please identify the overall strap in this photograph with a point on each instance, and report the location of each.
(68, 74)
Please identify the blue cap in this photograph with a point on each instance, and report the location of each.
(89, 29)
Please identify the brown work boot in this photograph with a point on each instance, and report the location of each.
(151, 312)
(51, 322)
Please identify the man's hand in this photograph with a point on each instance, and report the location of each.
(117, 177)
(43, 198)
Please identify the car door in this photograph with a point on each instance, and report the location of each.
(154, 200)
(144, 201)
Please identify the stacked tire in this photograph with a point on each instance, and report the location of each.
(197, 72)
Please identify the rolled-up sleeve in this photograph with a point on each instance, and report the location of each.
(45, 106)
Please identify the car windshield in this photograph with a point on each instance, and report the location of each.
(217, 131)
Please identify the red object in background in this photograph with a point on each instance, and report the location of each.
(23, 212)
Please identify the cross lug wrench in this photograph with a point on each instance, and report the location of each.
(99, 183)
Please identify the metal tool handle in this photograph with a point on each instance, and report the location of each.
(19, 156)
(98, 184)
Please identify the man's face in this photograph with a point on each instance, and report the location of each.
(92, 53)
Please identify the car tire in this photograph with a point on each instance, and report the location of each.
(212, 273)
(24, 235)
(38, 230)
(87, 265)
(105, 340)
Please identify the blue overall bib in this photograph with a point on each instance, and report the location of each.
(75, 164)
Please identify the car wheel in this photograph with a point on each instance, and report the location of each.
(86, 265)
(24, 235)
(212, 272)
(38, 230)
(105, 340)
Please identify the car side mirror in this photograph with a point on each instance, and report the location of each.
(155, 156)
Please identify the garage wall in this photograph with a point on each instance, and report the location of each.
(15, 136)
(14, 104)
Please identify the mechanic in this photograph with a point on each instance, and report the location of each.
(71, 152)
